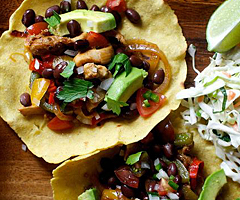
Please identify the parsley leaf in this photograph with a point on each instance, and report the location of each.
(132, 159)
(115, 106)
(120, 60)
(68, 71)
(75, 89)
(54, 20)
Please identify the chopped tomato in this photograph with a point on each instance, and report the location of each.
(48, 61)
(37, 28)
(164, 187)
(38, 65)
(117, 5)
(59, 125)
(154, 106)
(96, 40)
(126, 176)
(194, 170)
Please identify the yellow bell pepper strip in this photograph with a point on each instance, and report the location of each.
(39, 88)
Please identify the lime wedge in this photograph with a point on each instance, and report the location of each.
(223, 29)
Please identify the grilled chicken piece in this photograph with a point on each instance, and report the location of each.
(92, 71)
(56, 45)
(100, 56)
(31, 110)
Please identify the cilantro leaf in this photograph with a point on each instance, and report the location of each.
(132, 159)
(54, 20)
(119, 61)
(115, 106)
(75, 89)
(68, 71)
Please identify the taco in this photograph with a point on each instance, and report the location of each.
(145, 170)
(158, 34)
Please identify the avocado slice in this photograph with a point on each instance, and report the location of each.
(91, 194)
(89, 21)
(124, 86)
(212, 185)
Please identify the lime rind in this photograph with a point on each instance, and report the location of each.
(223, 29)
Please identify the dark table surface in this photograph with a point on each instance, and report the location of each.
(24, 176)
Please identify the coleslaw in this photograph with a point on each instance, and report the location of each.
(213, 107)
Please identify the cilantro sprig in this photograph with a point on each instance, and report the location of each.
(54, 20)
(68, 71)
(115, 106)
(132, 159)
(75, 89)
(120, 61)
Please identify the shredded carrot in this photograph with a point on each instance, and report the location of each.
(227, 74)
(200, 99)
(231, 95)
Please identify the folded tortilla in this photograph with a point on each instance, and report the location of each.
(159, 25)
(73, 177)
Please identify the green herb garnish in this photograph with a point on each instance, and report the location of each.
(171, 177)
(68, 71)
(175, 186)
(132, 159)
(115, 106)
(146, 103)
(151, 96)
(54, 20)
(158, 167)
(119, 61)
(153, 193)
(75, 89)
(224, 92)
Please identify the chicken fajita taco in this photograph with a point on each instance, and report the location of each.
(78, 77)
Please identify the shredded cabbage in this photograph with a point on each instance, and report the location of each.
(213, 107)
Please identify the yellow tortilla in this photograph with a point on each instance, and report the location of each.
(73, 177)
(159, 25)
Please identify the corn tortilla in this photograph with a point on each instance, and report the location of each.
(159, 25)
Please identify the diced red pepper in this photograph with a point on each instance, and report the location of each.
(59, 125)
(164, 187)
(117, 5)
(37, 28)
(194, 170)
(52, 88)
(96, 40)
(51, 98)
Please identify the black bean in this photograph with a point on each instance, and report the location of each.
(106, 164)
(47, 73)
(146, 65)
(148, 84)
(136, 61)
(81, 45)
(112, 182)
(117, 17)
(130, 114)
(104, 176)
(74, 28)
(28, 18)
(158, 76)
(25, 99)
(59, 69)
(81, 5)
(168, 150)
(172, 169)
(65, 6)
(133, 16)
(49, 11)
(106, 9)
(177, 179)
(157, 149)
(120, 50)
(163, 164)
(127, 191)
(39, 18)
(95, 8)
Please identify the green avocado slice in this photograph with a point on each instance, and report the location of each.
(91, 194)
(212, 185)
(89, 21)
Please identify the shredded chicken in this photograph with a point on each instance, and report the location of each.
(31, 110)
(99, 56)
(92, 71)
(42, 45)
